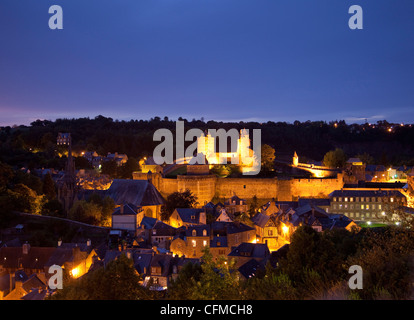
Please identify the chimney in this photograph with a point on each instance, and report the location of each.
(121, 208)
(26, 248)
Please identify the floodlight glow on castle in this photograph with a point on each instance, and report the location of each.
(249, 159)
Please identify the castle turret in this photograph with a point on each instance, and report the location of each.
(295, 160)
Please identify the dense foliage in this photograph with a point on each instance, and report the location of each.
(315, 267)
(35, 145)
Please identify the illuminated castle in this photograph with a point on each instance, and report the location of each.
(243, 155)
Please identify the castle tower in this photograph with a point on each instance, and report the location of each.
(295, 160)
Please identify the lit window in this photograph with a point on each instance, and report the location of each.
(205, 243)
(351, 199)
(346, 199)
(379, 206)
(392, 199)
(367, 207)
(194, 243)
(362, 206)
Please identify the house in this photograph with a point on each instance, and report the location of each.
(187, 217)
(235, 232)
(144, 228)
(378, 172)
(192, 241)
(162, 234)
(235, 205)
(223, 216)
(270, 208)
(163, 269)
(266, 229)
(354, 170)
(159, 273)
(38, 260)
(126, 217)
(247, 251)
(28, 267)
(219, 246)
(251, 268)
(221, 237)
(323, 203)
(88, 252)
(120, 159)
(23, 285)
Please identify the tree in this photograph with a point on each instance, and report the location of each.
(183, 286)
(49, 187)
(365, 158)
(25, 199)
(385, 257)
(218, 281)
(6, 174)
(267, 158)
(118, 280)
(254, 205)
(110, 168)
(108, 206)
(335, 158)
(178, 200)
(128, 168)
(86, 212)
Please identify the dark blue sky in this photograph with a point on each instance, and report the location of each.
(227, 60)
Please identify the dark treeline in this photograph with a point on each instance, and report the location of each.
(36, 144)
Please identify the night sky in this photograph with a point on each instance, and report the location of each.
(226, 60)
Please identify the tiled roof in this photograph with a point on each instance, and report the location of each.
(260, 219)
(128, 209)
(250, 268)
(254, 250)
(128, 191)
(186, 214)
(229, 227)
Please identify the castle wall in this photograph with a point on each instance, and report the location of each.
(205, 187)
(246, 188)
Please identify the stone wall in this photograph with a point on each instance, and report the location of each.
(205, 187)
